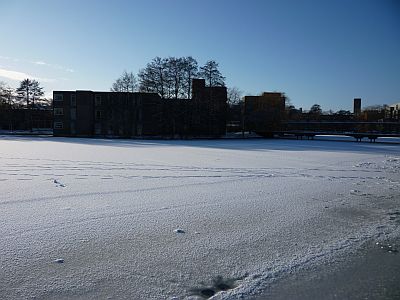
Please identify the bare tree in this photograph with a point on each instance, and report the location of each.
(288, 102)
(165, 76)
(235, 96)
(172, 77)
(153, 77)
(44, 103)
(125, 83)
(190, 71)
(376, 107)
(5, 94)
(175, 76)
(315, 109)
(343, 112)
(146, 81)
(158, 70)
(211, 74)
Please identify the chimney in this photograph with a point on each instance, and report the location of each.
(198, 86)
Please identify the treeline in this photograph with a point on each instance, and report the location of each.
(170, 77)
(29, 94)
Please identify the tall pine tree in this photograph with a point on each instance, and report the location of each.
(29, 90)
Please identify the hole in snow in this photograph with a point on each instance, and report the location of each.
(223, 286)
(207, 292)
(218, 284)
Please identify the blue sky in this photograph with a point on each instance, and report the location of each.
(325, 52)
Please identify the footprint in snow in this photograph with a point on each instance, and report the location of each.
(357, 192)
(58, 183)
(179, 230)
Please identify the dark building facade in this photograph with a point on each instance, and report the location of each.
(263, 114)
(129, 115)
(25, 119)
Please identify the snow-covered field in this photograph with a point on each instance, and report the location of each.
(125, 219)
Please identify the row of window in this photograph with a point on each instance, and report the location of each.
(58, 111)
(60, 97)
(60, 125)
(97, 100)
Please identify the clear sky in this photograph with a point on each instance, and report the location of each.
(324, 51)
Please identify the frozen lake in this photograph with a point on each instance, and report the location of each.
(128, 219)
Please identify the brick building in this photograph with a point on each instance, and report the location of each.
(119, 114)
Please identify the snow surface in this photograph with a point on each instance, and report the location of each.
(249, 211)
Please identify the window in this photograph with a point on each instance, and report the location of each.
(58, 111)
(72, 127)
(110, 115)
(97, 100)
(73, 100)
(58, 125)
(97, 128)
(73, 114)
(110, 130)
(58, 97)
(98, 114)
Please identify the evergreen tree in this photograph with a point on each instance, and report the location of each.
(29, 90)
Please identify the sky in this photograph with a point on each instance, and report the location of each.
(325, 52)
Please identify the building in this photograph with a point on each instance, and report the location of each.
(393, 111)
(357, 106)
(25, 119)
(264, 114)
(129, 115)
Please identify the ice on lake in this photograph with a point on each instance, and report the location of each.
(250, 210)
